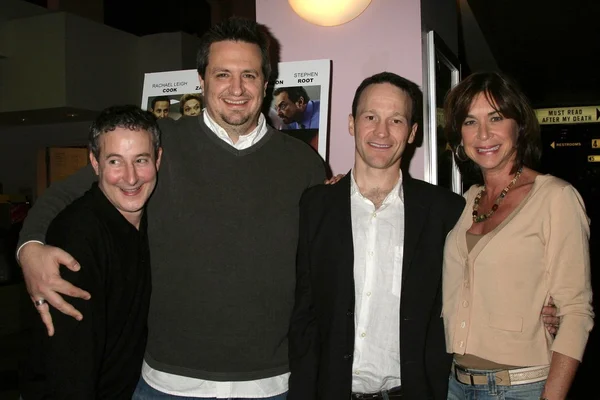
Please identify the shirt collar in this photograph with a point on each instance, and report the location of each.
(396, 192)
(244, 141)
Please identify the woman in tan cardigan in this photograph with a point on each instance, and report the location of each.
(522, 238)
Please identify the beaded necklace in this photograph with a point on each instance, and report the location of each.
(481, 218)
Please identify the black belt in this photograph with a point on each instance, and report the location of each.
(392, 394)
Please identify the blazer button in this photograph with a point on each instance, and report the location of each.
(347, 357)
(349, 313)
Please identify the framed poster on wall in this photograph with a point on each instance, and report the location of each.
(172, 94)
(300, 104)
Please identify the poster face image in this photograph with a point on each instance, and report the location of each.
(298, 110)
(172, 94)
(299, 106)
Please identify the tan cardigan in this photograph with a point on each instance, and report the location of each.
(493, 296)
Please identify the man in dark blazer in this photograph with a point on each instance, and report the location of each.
(367, 320)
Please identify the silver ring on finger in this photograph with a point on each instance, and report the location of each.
(40, 302)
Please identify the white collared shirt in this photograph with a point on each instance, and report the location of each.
(191, 387)
(244, 141)
(378, 237)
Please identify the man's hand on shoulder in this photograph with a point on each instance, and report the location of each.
(41, 269)
(551, 321)
(334, 179)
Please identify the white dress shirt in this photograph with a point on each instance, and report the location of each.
(191, 387)
(378, 237)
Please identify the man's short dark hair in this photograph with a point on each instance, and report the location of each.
(160, 98)
(235, 29)
(294, 93)
(505, 96)
(129, 117)
(408, 87)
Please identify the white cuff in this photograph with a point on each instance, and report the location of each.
(25, 244)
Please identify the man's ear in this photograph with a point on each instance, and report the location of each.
(94, 163)
(158, 158)
(351, 124)
(201, 81)
(413, 133)
(301, 103)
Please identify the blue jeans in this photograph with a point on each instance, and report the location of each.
(143, 391)
(491, 391)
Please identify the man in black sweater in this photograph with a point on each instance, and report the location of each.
(223, 229)
(100, 356)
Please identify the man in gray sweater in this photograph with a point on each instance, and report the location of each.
(223, 230)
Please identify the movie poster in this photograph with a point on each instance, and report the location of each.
(172, 94)
(299, 105)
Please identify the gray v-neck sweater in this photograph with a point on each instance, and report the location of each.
(223, 240)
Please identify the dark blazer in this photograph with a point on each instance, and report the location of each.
(322, 328)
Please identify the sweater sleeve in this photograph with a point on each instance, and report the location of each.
(568, 268)
(317, 172)
(54, 200)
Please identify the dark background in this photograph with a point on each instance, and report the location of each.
(551, 47)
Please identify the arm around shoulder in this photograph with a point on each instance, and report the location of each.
(40, 263)
(58, 196)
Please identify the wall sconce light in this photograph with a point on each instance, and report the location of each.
(329, 12)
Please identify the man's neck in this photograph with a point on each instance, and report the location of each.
(134, 218)
(135, 221)
(235, 131)
(375, 184)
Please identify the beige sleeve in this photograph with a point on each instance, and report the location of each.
(568, 258)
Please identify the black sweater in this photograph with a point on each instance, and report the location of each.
(100, 356)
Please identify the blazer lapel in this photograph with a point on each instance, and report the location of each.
(337, 223)
(340, 202)
(414, 219)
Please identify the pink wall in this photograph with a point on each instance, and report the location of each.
(385, 37)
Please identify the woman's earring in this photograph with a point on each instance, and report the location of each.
(460, 153)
